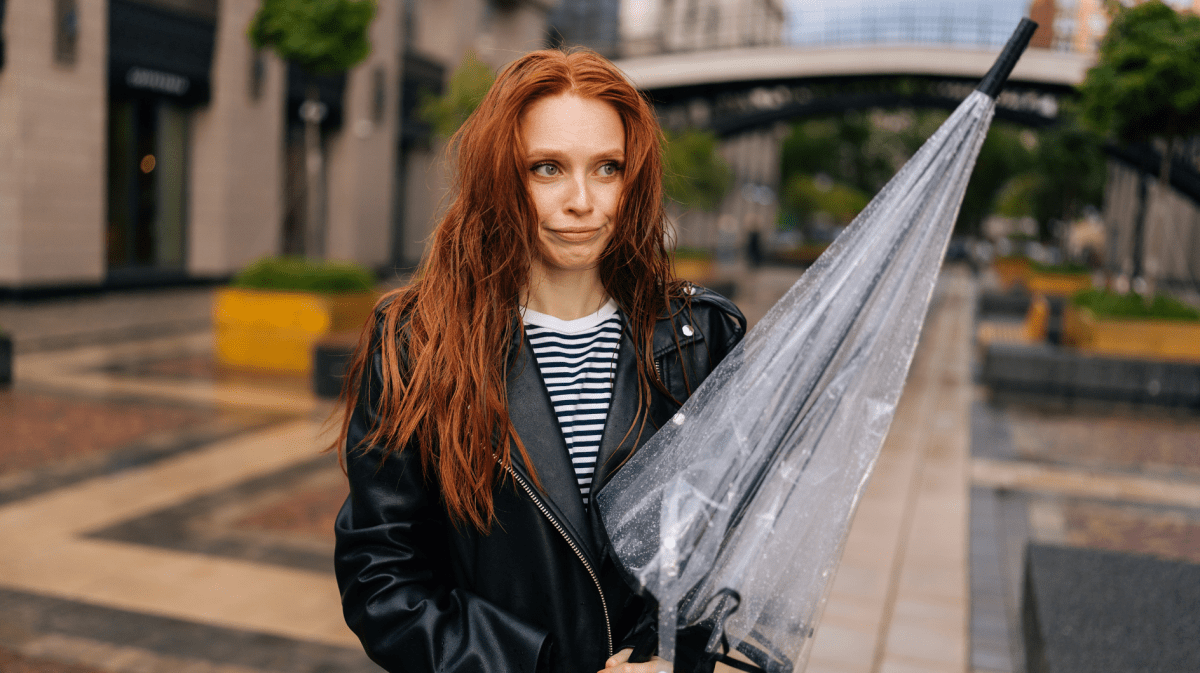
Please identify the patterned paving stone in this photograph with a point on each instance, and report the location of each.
(82, 638)
(45, 427)
(1122, 439)
(1166, 534)
(106, 318)
(310, 511)
(283, 518)
(62, 439)
(11, 662)
(202, 367)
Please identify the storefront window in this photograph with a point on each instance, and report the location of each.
(147, 184)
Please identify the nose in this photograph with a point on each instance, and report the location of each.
(579, 200)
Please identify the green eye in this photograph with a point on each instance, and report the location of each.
(609, 170)
(546, 170)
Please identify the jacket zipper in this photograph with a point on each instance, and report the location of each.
(575, 548)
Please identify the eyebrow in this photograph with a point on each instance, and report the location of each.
(614, 153)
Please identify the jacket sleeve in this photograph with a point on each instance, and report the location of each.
(390, 560)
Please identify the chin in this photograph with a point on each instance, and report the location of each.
(573, 263)
(572, 260)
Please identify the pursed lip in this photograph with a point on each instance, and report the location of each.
(576, 235)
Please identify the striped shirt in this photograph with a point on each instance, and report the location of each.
(578, 359)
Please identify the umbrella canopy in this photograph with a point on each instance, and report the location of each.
(734, 515)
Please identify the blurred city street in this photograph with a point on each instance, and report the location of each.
(164, 514)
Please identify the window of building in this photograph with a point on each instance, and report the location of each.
(147, 184)
(378, 94)
(205, 9)
(258, 74)
(66, 31)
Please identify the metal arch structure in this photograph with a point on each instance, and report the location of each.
(736, 90)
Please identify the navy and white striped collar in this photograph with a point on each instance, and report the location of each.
(584, 324)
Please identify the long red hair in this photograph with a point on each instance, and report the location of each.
(456, 321)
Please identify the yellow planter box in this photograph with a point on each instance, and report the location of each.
(1157, 339)
(1057, 284)
(695, 270)
(263, 329)
(1037, 320)
(1011, 271)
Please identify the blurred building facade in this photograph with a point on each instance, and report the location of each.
(650, 27)
(1079, 25)
(595, 24)
(1154, 229)
(657, 26)
(147, 141)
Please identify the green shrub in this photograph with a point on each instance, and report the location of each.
(1112, 305)
(297, 274)
(692, 253)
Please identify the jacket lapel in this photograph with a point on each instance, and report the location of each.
(533, 418)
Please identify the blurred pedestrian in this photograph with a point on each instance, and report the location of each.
(754, 254)
(542, 341)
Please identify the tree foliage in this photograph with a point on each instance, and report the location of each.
(320, 36)
(1070, 166)
(1002, 156)
(1056, 180)
(849, 149)
(695, 176)
(806, 197)
(861, 152)
(1146, 83)
(468, 85)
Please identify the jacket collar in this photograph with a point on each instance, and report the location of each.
(533, 418)
(535, 422)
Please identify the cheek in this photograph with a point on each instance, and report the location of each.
(540, 200)
(612, 199)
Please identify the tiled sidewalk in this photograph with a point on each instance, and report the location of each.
(899, 602)
(106, 318)
(168, 515)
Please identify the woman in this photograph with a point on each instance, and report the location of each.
(542, 341)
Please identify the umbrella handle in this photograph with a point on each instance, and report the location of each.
(643, 650)
(994, 80)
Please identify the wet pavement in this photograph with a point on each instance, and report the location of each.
(162, 514)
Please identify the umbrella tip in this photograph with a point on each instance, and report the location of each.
(994, 80)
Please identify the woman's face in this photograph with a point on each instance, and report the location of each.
(575, 156)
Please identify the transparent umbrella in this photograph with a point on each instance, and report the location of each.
(734, 515)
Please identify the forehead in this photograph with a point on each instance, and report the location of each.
(569, 123)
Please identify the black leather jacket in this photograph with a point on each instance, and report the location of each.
(541, 591)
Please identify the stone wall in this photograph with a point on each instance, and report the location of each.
(362, 156)
(52, 148)
(236, 145)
